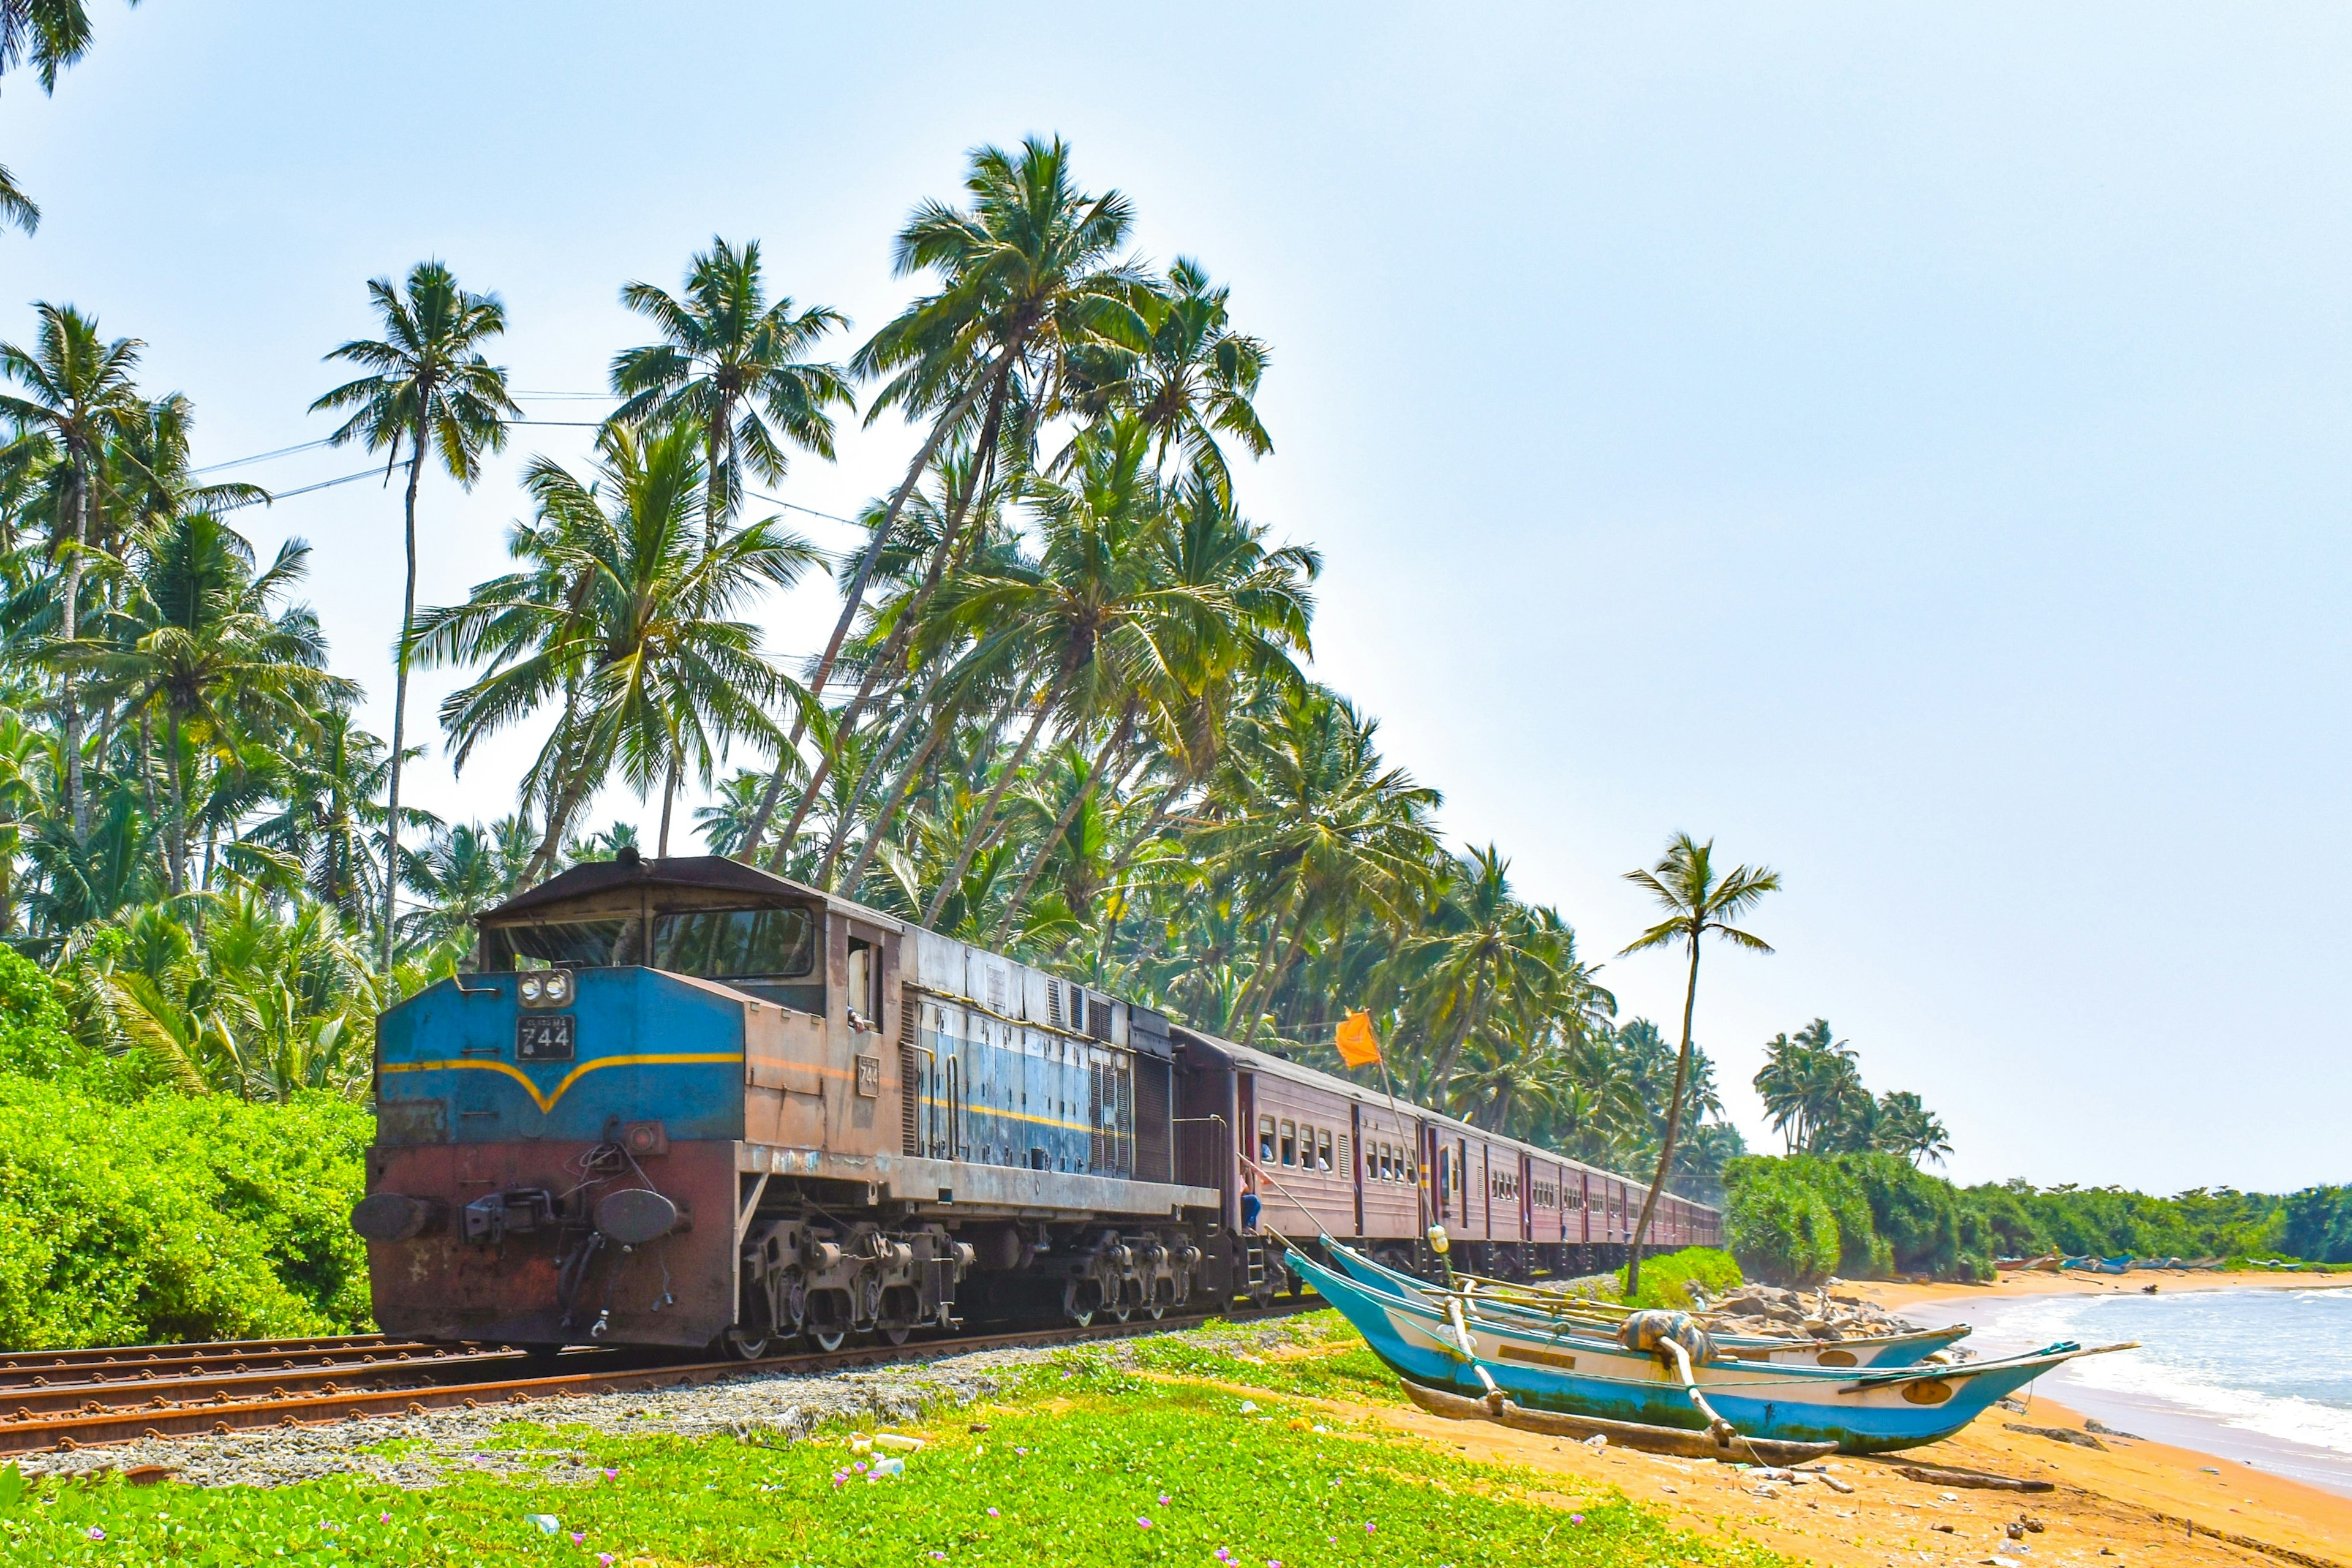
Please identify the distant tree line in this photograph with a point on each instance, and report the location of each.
(1799, 1218)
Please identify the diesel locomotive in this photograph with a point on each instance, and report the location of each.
(685, 1102)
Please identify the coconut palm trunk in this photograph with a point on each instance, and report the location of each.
(69, 715)
(987, 817)
(856, 596)
(894, 649)
(1674, 1126)
(400, 698)
(1062, 826)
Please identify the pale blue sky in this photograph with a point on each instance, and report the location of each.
(1906, 443)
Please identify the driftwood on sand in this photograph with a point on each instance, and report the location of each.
(1945, 1476)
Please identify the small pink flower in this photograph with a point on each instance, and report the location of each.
(1369, 1527)
(859, 1467)
(938, 1556)
(1141, 1522)
(994, 1514)
(577, 1538)
(1576, 1519)
(1022, 1452)
(604, 1559)
(384, 1518)
(1163, 1499)
(95, 1534)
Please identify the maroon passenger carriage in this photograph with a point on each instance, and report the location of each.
(685, 1102)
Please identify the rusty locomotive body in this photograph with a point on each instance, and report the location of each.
(685, 1102)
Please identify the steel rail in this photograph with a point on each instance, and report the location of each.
(40, 1361)
(164, 1367)
(96, 1428)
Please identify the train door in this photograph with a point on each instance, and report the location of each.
(1350, 1157)
(1527, 1199)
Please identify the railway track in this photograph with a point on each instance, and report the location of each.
(121, 1406)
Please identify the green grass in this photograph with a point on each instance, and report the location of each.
(1667, 1279)
(1070, 1466)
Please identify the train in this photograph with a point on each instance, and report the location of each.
(684, 1102)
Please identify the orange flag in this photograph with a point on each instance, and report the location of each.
(1359, 1047)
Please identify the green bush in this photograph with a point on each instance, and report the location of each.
(174, 1217)
(1781, 1229)
(1667, 1280)
(35, 1037)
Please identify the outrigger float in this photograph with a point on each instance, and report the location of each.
(1659, 1383)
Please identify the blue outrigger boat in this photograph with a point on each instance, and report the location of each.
(1525, 1311)
(1559, 1380)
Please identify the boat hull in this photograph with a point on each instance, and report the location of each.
(1860, 1410)
(1884, 1350)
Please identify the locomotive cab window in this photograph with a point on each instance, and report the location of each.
(569, 944)
(726, 945)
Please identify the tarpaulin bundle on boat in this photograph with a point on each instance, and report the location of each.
(1653, 1328)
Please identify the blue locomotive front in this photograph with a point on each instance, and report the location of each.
(688, 1103)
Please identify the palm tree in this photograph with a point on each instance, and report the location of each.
(49, 35)
(1094, 616)
(81, 397)
(1699, 903)
(1905, 1126)
(1196, 378)
(1319, 829)
(1026, 280)
(16, 206)
(625, 615)
(730, 363)
(202, 645)
(464, 870)
(430, 387)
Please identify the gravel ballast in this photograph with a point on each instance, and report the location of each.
(427, 1448)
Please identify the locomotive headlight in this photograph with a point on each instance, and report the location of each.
(546, 988)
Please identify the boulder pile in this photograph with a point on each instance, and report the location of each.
(1769, 1310)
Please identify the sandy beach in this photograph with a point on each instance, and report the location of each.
(2135, 1502)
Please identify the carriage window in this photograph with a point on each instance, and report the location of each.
(1323, 1150)
(716, 943)
(1408, 1169)
(1290, 1144)
(1266, 1140)
(1305, 1146)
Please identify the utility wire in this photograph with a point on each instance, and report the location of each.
(261, 456)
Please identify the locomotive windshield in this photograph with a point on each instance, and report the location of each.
(721, 945)
(712, 944)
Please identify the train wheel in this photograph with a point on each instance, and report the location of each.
(1072, 1314)
(744, 1346)
(896, 1333)
(827, 1339)
(1157, 1309)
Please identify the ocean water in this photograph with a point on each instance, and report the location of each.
(2262, 1377)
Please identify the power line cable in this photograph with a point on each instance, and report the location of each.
(261, 456)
